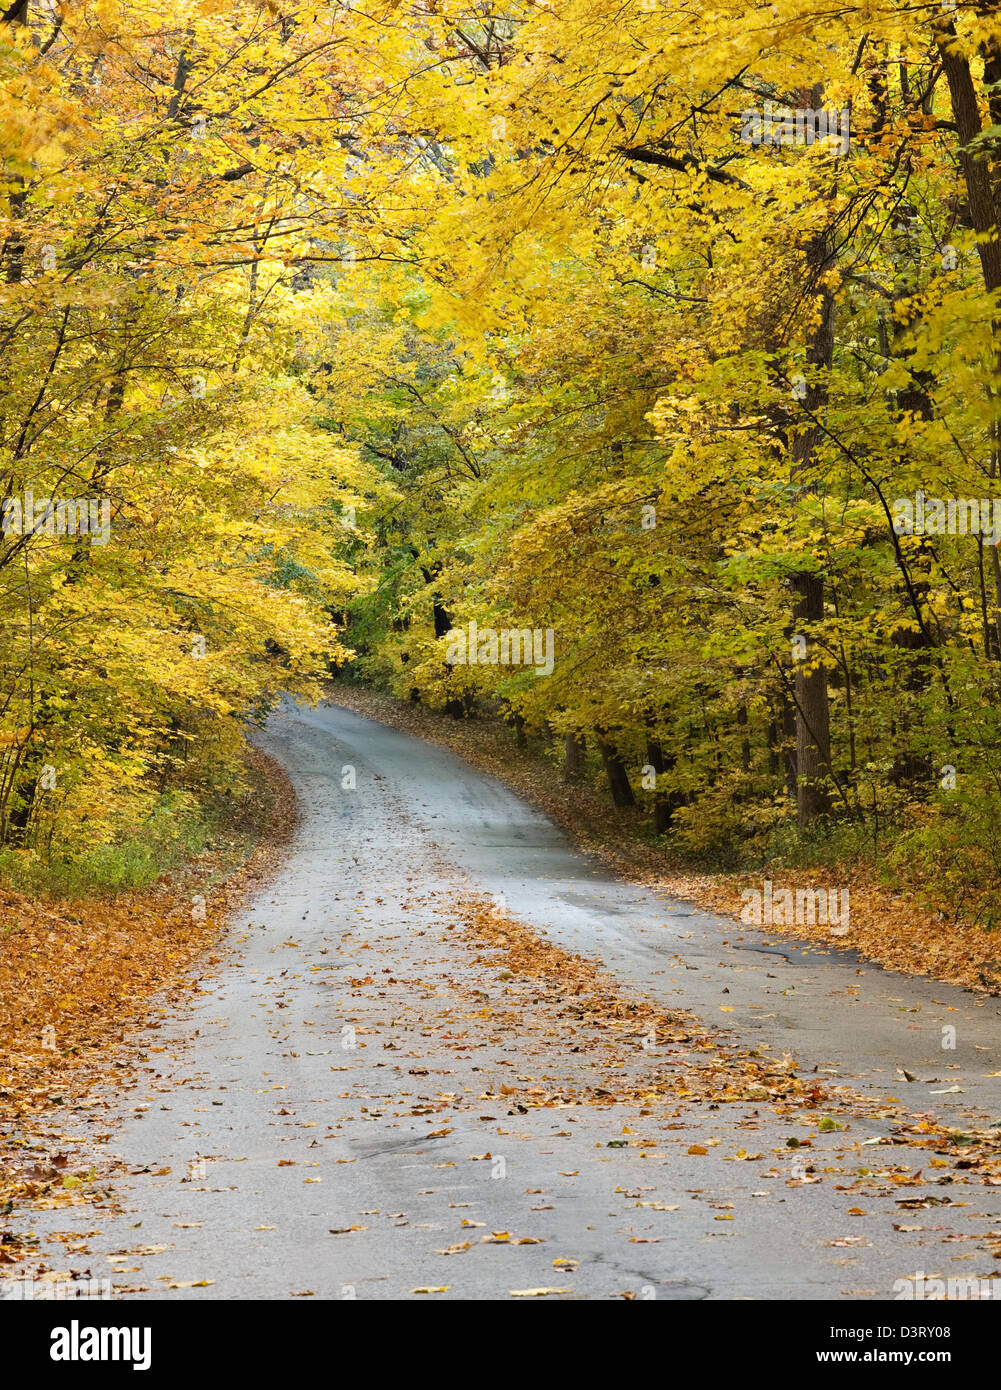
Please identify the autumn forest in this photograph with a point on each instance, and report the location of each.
(615, 378)
(363, 324)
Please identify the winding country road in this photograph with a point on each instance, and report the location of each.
(269, 1156)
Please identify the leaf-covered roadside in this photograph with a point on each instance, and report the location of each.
(78, 978)
(666, 1063)
(891, 928)
(708, 1067)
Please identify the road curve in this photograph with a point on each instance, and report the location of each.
(327, 1116)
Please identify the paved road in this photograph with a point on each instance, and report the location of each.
(338, 1114)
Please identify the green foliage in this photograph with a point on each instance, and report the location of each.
(178, 828)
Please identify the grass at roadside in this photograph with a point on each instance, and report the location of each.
(178, 830)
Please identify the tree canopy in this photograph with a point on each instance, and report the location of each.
(672, 330)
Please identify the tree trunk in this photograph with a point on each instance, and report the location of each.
(813, 734)
(573, 757)
(789, 747)
(813, 752)
(915, 400)
(615, 771)
(663, 804)
(972, 160)
(773, 749)
(745, 742)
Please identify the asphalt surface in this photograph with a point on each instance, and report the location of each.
(324, 1119)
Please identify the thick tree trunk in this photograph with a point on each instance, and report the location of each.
(664, 803)
(615, 771)
(573, 757)
(972, 159)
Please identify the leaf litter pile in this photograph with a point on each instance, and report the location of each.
(78, 979)
(656, 1060)
(893, 929)
(593, 1009)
